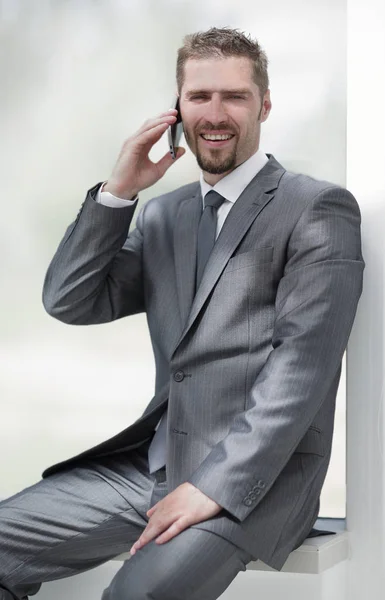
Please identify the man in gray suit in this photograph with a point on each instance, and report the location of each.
(250, 280)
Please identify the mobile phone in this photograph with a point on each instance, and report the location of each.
(175, 131)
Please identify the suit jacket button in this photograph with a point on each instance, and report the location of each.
(248, 502)
(179, 376)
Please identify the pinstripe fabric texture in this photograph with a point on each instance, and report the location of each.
(248, 367)
(80, 518)
(206, 236)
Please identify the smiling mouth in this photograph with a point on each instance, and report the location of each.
(216, 143)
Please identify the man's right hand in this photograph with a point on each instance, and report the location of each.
(134, 171)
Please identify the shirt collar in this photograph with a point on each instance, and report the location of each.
(232, 185)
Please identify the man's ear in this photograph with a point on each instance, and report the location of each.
(266, 107)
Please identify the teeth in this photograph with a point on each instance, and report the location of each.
(217, 137)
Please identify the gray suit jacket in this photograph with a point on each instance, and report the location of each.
(249, 366)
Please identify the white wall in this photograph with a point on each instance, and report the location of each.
(365, 376)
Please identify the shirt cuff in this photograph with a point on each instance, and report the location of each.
(109, 199)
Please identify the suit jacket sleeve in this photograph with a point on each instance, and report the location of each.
(315, 307)
(95, 275)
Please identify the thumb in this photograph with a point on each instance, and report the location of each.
(166, 161)
(179, 152)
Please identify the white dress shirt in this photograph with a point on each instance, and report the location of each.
(230, 187)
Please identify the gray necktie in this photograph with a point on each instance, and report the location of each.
(207, 231)
(206, 240)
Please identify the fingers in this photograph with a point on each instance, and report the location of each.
(166, 118)
(160, 534)
(152, 131)
(151, 510)
(153, 135)
(174, 529)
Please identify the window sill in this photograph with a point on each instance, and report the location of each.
(316, 555)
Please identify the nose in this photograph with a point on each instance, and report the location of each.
(215, 111)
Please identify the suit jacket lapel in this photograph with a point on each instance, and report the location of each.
(250, 203)
(185, 251)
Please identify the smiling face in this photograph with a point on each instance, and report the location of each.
(219, 96)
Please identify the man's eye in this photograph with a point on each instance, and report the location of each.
(198, 96)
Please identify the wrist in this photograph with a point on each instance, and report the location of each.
(118, 192)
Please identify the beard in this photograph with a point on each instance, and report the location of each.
(214, 160)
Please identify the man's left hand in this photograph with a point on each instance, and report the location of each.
(184, 506)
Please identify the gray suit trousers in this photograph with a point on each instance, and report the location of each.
(81, 517)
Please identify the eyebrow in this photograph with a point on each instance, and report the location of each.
(193, 92)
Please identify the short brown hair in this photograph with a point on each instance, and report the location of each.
(222, 43)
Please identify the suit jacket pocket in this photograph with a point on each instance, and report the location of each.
(252, 257)
(313, 442)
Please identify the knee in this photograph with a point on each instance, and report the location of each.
(143, 586)
(14, 593)
(6, 594)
